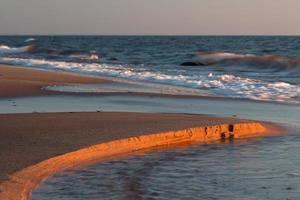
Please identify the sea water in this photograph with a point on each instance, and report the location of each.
(261, 68)
(264, 69)
(265, 168)
(261, 168)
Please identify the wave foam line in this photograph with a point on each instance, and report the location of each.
(14, 50)
(21, 184)
(225, 85)
(258, 61)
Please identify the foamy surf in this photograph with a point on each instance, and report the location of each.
(84, 56)
(14, 50)
(226, 85)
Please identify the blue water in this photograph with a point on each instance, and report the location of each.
(266, 168)
(261, 68)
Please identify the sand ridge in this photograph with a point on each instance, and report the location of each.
(148, 130)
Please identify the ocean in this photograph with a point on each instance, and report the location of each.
(255, 169)
(240, 69)
(264, 68)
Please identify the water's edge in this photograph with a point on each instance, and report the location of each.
(22, 183)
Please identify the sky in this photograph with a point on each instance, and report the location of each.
(150, 17)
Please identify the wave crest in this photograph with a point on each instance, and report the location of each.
(14, 50)
(259, 61)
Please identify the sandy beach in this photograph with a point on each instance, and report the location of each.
(130, 100)
(29, 141)
(18, 81)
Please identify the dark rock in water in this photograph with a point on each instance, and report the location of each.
(192, 64)
(71, 52)
(289, 188)
(113, 59)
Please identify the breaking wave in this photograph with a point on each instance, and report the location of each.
(219, 84)
(14, 50)
(66, 53)
(29, 40)
(272, 62)
(49, 52)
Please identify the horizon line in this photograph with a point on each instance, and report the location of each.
(166, 35)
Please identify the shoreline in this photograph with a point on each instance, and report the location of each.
(19, 81)
(63, 151)
(33, 146)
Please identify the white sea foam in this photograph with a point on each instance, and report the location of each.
(85, 57)
(29, 40)
(220, 84)
(210, 58)
(14, 50)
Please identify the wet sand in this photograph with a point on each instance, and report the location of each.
(33, 146)
(19, 81)
(29, 139)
